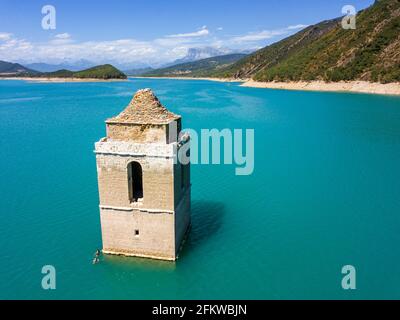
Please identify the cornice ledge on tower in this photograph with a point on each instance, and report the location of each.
(131, 209)
(128, 148)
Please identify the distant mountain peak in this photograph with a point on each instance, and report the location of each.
(69, 65)
(195, 54)
(198, 68)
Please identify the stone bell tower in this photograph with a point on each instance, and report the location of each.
(144, 191)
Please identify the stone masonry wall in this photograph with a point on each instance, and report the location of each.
(140, 133)
(158, 181)
(155, 226)
(155, 237)
(182, 219)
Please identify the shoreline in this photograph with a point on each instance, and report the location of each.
(190, 78)
(318, 86)
(61, 80)
(321, 86)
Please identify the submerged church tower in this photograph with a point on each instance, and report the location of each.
(144, 190)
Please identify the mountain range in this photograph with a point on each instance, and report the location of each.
(10, 69)
(195, 54)
(325, 51)
(135, 69)
(73, 66)
(328, 52)
(192, 55)
(197, 68)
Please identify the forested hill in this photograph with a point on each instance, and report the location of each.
(104, 72)
(328, 52)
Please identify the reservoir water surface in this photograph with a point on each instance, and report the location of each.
(325, 193)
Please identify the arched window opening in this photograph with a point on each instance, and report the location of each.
(135, 180)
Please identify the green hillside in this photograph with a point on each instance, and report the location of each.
(58, 74)
(328, 52)
(198, 68)
(277, 52)
(106, 71)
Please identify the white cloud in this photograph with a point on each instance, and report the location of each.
(297, 26)
(63, 36)
(5, 36)
(12, 46)
(258, 36)
(62, 47)
(200, 33)
(267, 34)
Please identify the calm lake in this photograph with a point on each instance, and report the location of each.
(325, 193)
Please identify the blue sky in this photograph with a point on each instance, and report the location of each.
(153, 31)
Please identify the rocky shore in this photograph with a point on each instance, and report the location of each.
(351, 86)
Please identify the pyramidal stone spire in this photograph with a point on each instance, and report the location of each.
(145, 108)
(144, 120)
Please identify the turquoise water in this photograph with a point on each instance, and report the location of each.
(325, 193)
